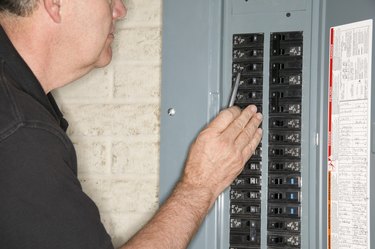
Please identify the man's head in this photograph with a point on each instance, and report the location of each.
(18, 7)
(67, 37)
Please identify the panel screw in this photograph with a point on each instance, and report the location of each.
(288, 14)
(171, 111)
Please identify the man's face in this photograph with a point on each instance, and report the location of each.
(118, 11)
(91, 30)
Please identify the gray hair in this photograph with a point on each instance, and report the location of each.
(18, 7)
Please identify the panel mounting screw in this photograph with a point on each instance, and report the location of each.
(171, 111)
(288, 14)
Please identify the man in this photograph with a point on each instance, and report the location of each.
(46, 44)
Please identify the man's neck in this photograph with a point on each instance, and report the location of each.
(27, 41)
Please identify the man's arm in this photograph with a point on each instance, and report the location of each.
(215, 159)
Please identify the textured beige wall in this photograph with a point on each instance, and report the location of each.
(114, 123)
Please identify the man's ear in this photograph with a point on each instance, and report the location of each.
(53, 9)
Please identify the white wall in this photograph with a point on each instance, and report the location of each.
(114, 123)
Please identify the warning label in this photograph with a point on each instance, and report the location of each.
(349, 136)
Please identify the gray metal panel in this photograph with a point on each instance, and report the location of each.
(260, 6)
(339, 12)
(318, 118)
(184, 74)
(193, 84)
(190, 85)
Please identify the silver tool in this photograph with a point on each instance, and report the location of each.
(234, 90)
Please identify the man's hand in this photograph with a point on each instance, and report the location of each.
(215, 159)
(221, 150)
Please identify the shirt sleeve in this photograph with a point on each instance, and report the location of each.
(42, 204)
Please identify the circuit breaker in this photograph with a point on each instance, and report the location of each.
(307, 66)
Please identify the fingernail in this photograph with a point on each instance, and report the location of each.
(253, 108)
(259, 116)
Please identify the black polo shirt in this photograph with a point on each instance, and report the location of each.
(42, 205)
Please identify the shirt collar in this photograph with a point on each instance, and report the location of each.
(25, 79)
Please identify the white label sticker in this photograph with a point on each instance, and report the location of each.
(349, 136)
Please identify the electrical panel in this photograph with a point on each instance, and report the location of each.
(306, 65)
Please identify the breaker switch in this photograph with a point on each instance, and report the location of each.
(249, 97)
(286, 108)
(276, 196)
(288, 36)
(253, 81)
(293, 166)
(287, 51)
(277, 240)
(286, 78)
(284, 196)
(285, 181)
(252, 167)
(247, 53)
(244, 40)
(248, 209)
(277, 211)
(284, 240)
(286, 93)
(285, 123)
(277, 225)
(285, 151)
(236, 194)
(283, 210)
(288, 65)
(246, 181)
(246, 68)
(290, 225)
(244, 224)
(285, 137)
(245, 239)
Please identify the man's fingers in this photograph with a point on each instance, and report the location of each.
(248, 132)
(238, 124)
(249, 150)
(225, 118)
